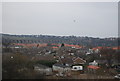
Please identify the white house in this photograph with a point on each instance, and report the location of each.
(94, 63)
(97, 51)
(77, 68)
(88, 53)
(41, 69)
(61, 68)
(91, 50)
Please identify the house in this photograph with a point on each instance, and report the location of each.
(88, 53)
(44, 70)
(116, 48)
(77, 68)
(94, 63)
(92, 69)
(55, 48)
(91, 50)
(67, 61)
(101, 62)
(78, 64)
(61, 68)
(78, 60)
(97, 51)
(73, 46)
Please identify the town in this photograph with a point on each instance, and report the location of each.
(59, 60)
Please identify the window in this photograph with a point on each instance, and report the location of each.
(75, 67)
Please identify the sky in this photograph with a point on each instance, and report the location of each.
(92, 19)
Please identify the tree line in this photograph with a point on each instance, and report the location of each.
(86, 41)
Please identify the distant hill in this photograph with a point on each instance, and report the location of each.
(86, 41)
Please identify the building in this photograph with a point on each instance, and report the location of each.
(44, 70)
(94, 63)
(78, 64)
(78, 60)
(92, 69)
(77, 68)
(61, 68)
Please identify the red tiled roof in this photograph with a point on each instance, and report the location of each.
(79, 60)
(93, 67)
(54, 47)
(100, 48)
(97, 48)
(116, 48)
(77, 46)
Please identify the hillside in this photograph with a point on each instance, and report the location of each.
(86, 41)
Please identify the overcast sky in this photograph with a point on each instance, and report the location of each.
(93, 19)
